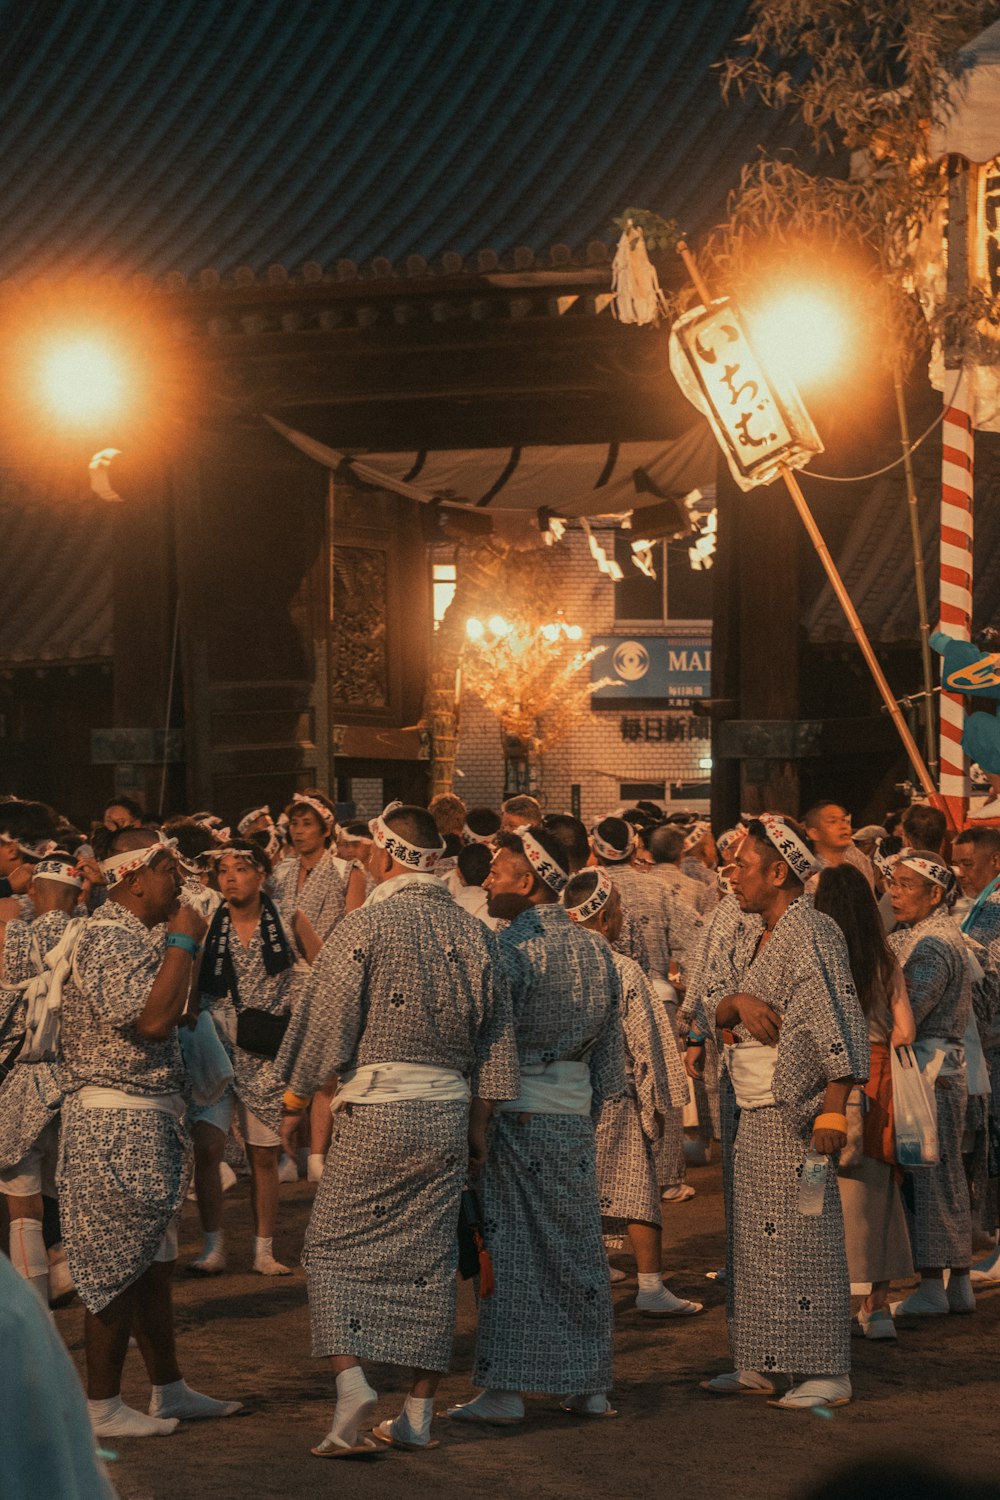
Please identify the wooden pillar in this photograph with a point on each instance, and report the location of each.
(144, 611)
(251, 532)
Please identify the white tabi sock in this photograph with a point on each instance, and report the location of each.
(212, 1259)
(490, 1406)
(650, 1281)
(356, 1404)
(587, 1406)
(177, 1399)
(263, 1258)
(930, 1300)
(28, 1257)
(417, 1412)
(112, 1418)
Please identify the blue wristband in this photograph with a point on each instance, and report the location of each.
(181, 940)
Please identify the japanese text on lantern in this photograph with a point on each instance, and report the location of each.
(759, 419)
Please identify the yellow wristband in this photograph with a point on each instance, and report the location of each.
(295, 1103)
(831, 1122)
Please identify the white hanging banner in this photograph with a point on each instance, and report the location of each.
(977, 390)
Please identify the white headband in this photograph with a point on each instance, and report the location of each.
(251, 855)
(726, 840)
(477, 838)
(595, 901)
(58, 869)
(928, 868)
(251, 817)
(329, 821)
(220, 832)
(401, 849)
(120, 865)
(544, 866)
(695, 835)
(608, 851)
(884, 862)
(788, 844)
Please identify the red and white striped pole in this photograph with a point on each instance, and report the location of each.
(956, 593)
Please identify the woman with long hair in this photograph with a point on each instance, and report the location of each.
(878, 1248)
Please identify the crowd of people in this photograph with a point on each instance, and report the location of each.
(495, 1040)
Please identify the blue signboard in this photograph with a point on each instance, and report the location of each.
(652, 666)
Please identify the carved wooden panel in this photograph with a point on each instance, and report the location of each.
(359, 664)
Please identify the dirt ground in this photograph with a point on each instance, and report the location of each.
(932, 1396)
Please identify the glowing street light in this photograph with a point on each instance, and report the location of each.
(82, 380)
(800, 332)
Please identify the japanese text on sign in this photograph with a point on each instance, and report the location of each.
(667, 729)
(759, 420)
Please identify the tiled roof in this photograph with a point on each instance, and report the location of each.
(876, 558)
(157, 138)
(57, 597)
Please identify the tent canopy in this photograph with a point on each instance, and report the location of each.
(571, 480)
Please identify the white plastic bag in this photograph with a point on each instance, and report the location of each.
(914, 1111)
(206, 1060)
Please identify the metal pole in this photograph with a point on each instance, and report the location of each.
(930, 739)
(860, 635)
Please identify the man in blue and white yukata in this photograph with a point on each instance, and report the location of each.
(125, 1160)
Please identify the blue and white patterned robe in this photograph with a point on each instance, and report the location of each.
(790, 1305)
(933, 955)
(547, 1326)
(31, 1096)
(412, 978)
(322, 894)
(123, 1173)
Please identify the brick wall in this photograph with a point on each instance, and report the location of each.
(367, 795)
(596, 755)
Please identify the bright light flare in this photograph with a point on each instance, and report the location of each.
(574, 632)
(83, 380)
(800, 333)
(475, 629)
(498, 625)
(551, 633)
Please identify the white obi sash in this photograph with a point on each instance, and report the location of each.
(937, 1057)
(556, 1088)
(93, 1096)
(391, 1082)
(751, 1070)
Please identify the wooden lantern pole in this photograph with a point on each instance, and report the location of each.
(839, 588)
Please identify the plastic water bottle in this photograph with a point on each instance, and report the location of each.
(812, 1187)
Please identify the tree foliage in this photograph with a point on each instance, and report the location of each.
(866, 78)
